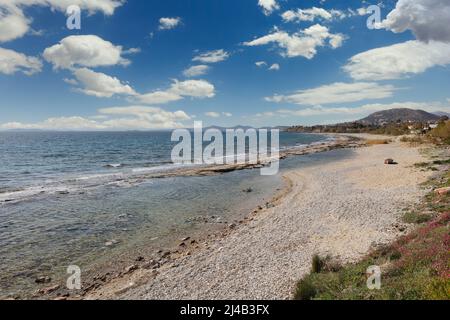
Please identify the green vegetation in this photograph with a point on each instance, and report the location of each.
(415, 217)
(416, 266)
(442, 133)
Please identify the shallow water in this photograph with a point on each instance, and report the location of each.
(45, 233)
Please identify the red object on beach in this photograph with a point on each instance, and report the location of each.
(442, 191)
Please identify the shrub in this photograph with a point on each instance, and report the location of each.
(317, 264)
(442, 132)
(305, 290)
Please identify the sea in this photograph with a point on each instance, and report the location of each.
(80, 198)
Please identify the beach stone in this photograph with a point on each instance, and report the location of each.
(43, 280)
(49, 289)
(165, 254)
(389, 161)
(131, 268)
(152, 264)
(442, 191)
(185, 239)
(140, 259)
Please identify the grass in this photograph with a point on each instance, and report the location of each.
(415, 267)
(416, 217)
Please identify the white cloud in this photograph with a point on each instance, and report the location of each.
(398, 61)
(212, 114)
(261, 63)
(274, 67)
(364, 109)
(193, 88)
(159, 97)
(14, 24)
(337, 93)
(303, 43)
(169, 23)
(178, 90)
(427, 19)
(306, 14)
(61, 123)
(85, 51)
(311, 14)
(71, 81)
(268, 6)
(101, 85)
(212, 56)
(196, 71)
(12, 62)
(115, 118)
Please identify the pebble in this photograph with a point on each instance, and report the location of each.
(43, 280)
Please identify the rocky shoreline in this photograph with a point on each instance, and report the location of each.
(343, 208)
(166, 258)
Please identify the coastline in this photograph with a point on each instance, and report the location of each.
(344, 209)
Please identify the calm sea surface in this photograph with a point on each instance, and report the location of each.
(65, 196)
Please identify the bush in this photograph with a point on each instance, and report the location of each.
(442, 132)
(305, 290)
(317, 264)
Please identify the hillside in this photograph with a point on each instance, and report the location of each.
(396, 115)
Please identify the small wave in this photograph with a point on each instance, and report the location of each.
(115, 165)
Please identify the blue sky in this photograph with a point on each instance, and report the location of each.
(317, 62)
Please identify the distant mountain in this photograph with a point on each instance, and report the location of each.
(442, 114)
(402, 115)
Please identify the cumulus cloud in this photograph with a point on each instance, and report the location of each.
(84, 51)
(101, 85)
(115, 118)
(307, 14)
(213, 56)
(260, 64)
(169, 23)
(178, 90)
(303, 43)
(196, 71)
(398, 61)
(12, 62)
(427, 19)
(268, 6)
(14, 24)
(336, 93)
